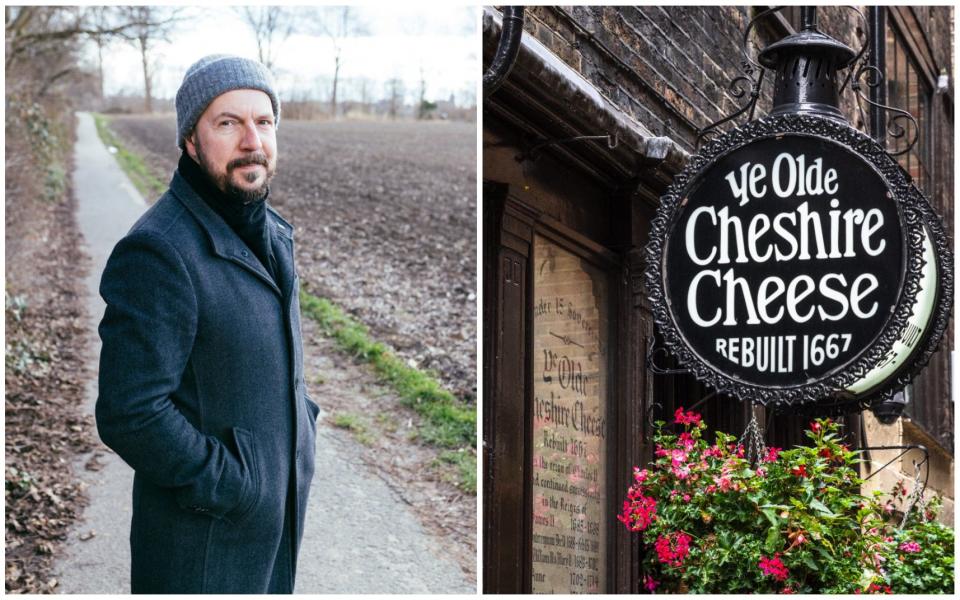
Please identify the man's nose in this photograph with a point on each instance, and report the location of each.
(251, 138)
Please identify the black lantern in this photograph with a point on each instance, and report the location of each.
(806, 66)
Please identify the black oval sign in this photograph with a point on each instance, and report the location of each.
(784, 259)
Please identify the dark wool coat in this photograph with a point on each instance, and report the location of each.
(202, 393)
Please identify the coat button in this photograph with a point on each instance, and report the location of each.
(244, 253)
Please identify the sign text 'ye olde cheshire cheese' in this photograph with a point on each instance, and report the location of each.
(785, 261)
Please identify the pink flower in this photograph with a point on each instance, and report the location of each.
(772, 455)
(786, 590)
(649, 583)
(711, 488)
(910, 547)
(686, 418)
(686, 440)
(640, 475)
(761, 472)
(713, 451)
(723, 483)
(686, 497)
(774, 567)
(815, 427)
(673, 548)
(678, 457)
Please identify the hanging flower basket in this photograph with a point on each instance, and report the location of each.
(795, 522)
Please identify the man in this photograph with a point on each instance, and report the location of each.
(201, 376)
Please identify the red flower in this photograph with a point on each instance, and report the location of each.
(686, 418)
(649, 583)
(673, 548)
(800, 471)
(786, 590)
(772, 455)
(638, 512)
(815, 427)
(774, 567)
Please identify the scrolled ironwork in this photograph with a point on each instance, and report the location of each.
(753, 74)
(893, 128)
(652, 350)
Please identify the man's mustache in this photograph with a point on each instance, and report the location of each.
(257, 158)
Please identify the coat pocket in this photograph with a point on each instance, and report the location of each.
(313, 409)
(247, 451)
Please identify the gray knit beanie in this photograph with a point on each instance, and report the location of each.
(213, 75)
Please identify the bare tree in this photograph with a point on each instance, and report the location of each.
(422, 106)
(338, 23)
(271, 26)
(150, 25)
(43, 42)
(395, 91)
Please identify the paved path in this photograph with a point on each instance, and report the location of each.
(359, 536)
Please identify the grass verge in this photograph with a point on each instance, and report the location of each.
(354, 425)
(447, 422)
(133, 165)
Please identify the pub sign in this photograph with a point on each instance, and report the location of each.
(792, 263)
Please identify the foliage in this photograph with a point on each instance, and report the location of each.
(920, 557)
(447, 422)
(793, 523)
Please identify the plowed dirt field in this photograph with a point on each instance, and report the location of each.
(385, 220)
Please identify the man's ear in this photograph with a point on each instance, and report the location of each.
(191, 146)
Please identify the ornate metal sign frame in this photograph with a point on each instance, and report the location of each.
(915, 213)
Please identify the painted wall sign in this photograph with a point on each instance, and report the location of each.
(787, 260)
(570, 426)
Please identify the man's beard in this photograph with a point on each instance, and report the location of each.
(224, 182)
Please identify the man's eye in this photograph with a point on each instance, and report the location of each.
(266, 122)
(227, 123)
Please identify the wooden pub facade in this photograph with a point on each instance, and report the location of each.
(600, 110)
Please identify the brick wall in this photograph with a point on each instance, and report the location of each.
(670, 67)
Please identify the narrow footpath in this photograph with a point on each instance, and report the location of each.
(360, 536)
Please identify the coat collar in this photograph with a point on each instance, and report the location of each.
(228, 245)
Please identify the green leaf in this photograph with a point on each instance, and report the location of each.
(820, 507)
(773, 542)
(771, 516)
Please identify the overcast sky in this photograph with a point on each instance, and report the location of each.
(442, 40)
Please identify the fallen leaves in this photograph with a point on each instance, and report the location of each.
(44, 375)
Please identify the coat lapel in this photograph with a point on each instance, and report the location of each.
(281, 238)
(228, 245)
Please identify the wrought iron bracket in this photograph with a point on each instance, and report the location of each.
(751, 81)
(534, 152)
